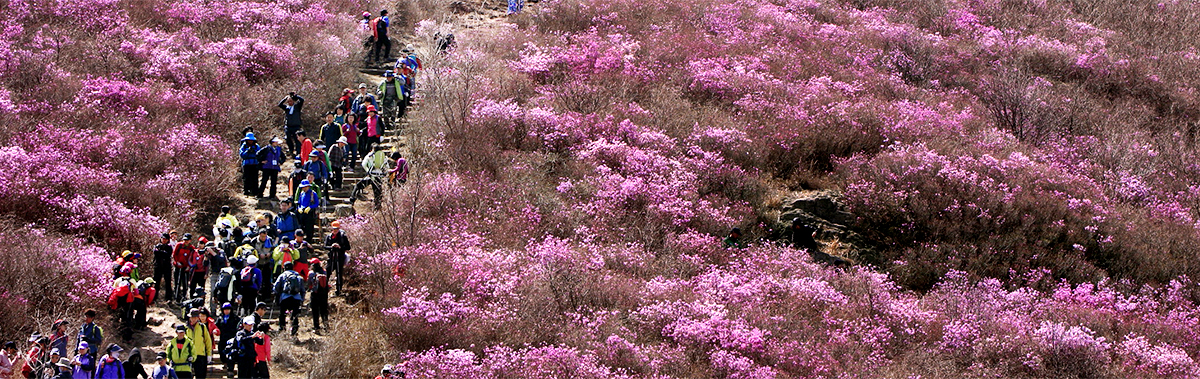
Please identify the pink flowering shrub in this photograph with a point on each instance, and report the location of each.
(1020, 173)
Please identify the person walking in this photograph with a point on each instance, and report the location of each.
(162, 265)
(133, 365)
(318, 284)
(198, 264)
(399, 173)
(90, 332)
(227, 327)
(245, 342)
(374, 127)
(262, 352)
(289, 288)
(181, 352)
(250, 165)
(382, 42)
(183, 252)
(59, 338)
(202, 343)
(271, 158)
(320, 174)
(308, 206)
(350, 132)
(331, 130)
(250, 281)
(392, 94)
(368, 35)
(84, 364)
(111, 367)
(292, 105)
(161, 369)
(361, 101)
(287, 222)
(337, 161)
(337, 244)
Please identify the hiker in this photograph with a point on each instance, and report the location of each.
(142, 298)
(244, 348)
(59, 338)
(289, 289)
(375, 165)
(303, 251)
(515, 6)
(49, 367)
(361, 101)
(162, 264)
(391, 94)
(350, 133)
(262, 352)
(803, 236)
(306, 146)
(121, 301)
(90, 332)
(227, 327)
(180, 352)
(196, 301)
(271, 157)
(337, 244)
(299, 174)
(318, 169)
(35, 358)
(202, 343)
(318, 284)
(399, 173)
(373, 127)
(183, 251)
(380, 28)
(197, 263)
(161, 369)
(368, 35)
(284, 253)
(264, 248)
(84, 364)
(224, 289)
(734, 241)
(133, 365)
(249, 283)
(287, 221)
(8, 358)
(110, 367)
(292, 105)
(250, 165)
(337, 160)
(307, 206)
(331, 130)
(343, 106)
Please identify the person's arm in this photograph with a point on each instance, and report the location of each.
(283, 103)
(299, 103)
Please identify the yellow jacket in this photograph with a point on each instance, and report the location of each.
(229, 217)
(201, 337)
(180, 358)
(279, 254)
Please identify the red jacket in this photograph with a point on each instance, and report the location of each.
(197, 260)
(182, 253)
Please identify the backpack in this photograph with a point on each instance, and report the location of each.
(233, 349)
(322, 281)
(291, 284)
(247, 274)
(225, 279)
(374, 26)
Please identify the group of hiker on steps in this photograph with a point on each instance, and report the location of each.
(224, 287)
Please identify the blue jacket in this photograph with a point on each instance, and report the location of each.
(249, 154)
(110, 370)
(93, 334)
(270, 157)
(308, 199)
(318, 169)
(289, 275)
(287, 224)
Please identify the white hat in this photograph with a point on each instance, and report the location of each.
(252, 260)
(226, 224)
(342, 140)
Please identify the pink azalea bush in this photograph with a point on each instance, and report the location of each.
(120, 121)
(1020, 174)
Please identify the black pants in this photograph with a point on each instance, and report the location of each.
(182, 276)
(249, 299)
(293, 305)
(200, 367)
(308, 222)
(335, 179)
(139, 314)
(384, 43)
(261, 371)
(268, 175)
(184, 375)
(245, 369)
(197, 280)
(292, 141)
(162, 280)
(250, 180)
(320, 308)
(335, 267)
